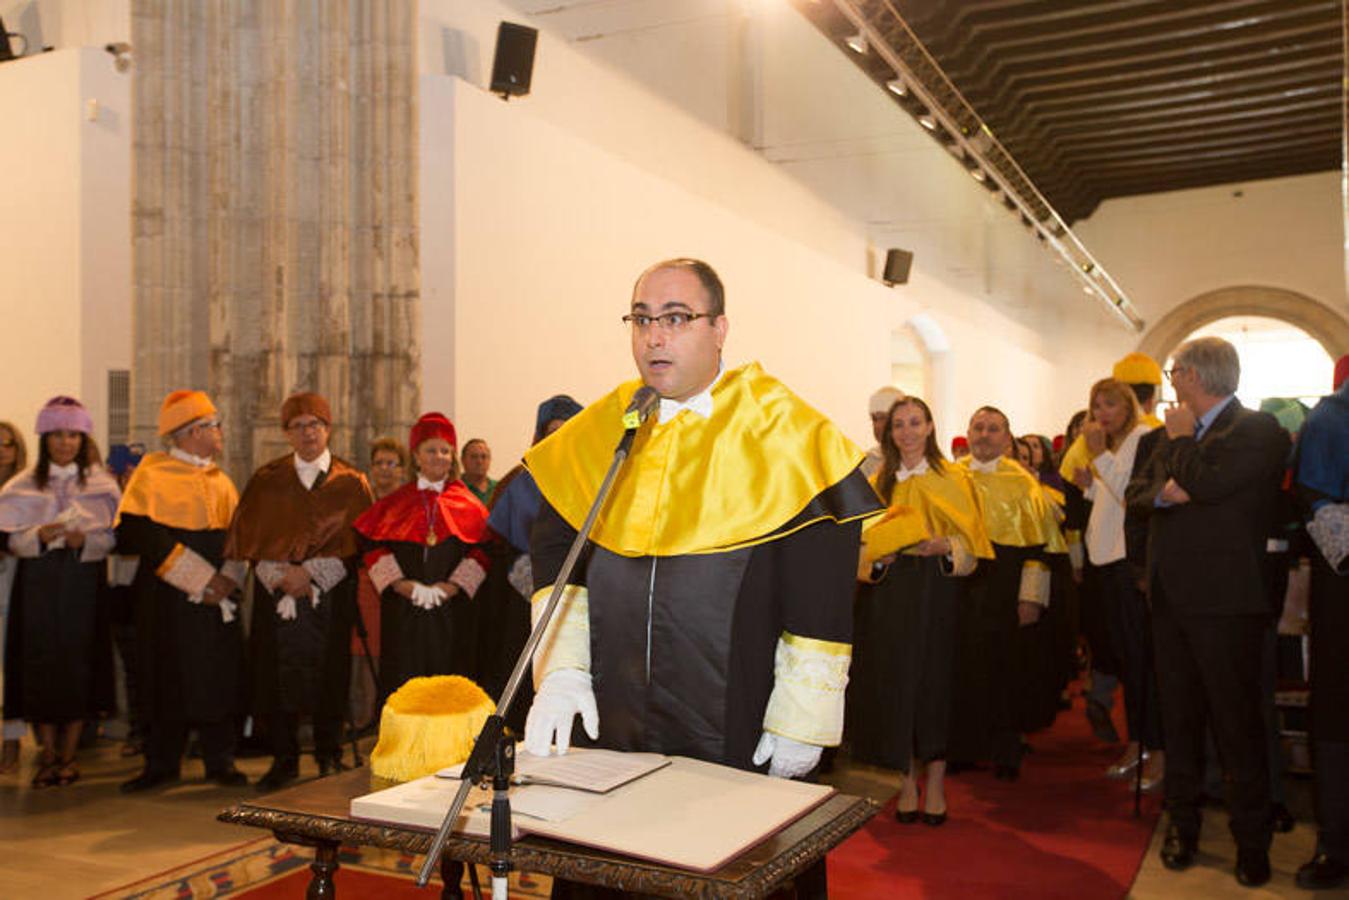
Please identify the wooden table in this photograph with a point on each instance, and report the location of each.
(316, 814)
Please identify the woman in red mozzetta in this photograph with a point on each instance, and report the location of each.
(420, 548)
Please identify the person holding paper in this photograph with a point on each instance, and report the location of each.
(914, 560)
(712, 617)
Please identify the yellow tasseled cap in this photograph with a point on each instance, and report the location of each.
(428, 724)
(1137, 368)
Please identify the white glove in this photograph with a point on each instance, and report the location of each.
(789, 758)
(285, 608)
(562, 695)
(227, 609)
(424, 596)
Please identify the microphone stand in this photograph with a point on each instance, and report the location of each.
(493, 754)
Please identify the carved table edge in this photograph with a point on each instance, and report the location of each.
(558, 859)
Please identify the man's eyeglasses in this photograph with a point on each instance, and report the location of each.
(675, 321)
(208, 423)
(1171, 373)
(312, 425)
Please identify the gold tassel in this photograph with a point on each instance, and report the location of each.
(428, 724)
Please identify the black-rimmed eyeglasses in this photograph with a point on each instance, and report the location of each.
(675, 321)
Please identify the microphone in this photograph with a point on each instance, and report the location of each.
(644, 402)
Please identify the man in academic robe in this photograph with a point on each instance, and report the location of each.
(294, 525)
(174, 516)
(1208, 491)
(713, 616)
(1323, 486)
(1002, 688)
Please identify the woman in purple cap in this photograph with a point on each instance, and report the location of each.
(57, 520)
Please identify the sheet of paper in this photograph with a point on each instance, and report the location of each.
(598, 771)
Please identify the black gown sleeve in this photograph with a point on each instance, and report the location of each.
(549, 540)
(141, 536)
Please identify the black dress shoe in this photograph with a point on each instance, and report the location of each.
(906, 816)
(282, 773)
(1252, 867)
(1101, 724)
(331, 764)
(934, 819)
(1179, 851)
(1006, 773)
(230, 777)
(1281, 819)
(1323, 873)
(147, 780)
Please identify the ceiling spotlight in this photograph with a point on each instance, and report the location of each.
(857, 43)
(928, 121)
(897, 87)
(1008, 202)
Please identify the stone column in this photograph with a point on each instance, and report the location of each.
(274, 212)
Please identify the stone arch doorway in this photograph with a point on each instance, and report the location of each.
(1327, 326)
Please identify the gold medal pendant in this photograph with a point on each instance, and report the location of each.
(430, 539)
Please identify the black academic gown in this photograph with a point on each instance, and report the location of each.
(899, 701)
(1000, 676)
(58, 650)
(682, 647)
(190, 660)
(417, 642)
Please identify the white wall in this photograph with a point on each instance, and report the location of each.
(65, 241)
(67, 24)
(1281, 232)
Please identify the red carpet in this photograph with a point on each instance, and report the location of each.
(1062, 830)
(350, 883)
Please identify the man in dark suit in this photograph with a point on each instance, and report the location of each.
(1208, 489)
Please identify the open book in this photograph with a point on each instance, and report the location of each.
(597, 771)
(685, 813)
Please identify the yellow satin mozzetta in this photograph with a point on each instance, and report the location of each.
(929, 505)
(179, 495)
(695, 484)
(1017, 511)
(1076, 457)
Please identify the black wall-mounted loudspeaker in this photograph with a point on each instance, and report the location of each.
(513, 64)
(897, 265)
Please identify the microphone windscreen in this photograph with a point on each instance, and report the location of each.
(643, 403)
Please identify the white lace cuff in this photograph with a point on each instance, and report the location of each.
(1034, 583)
(385, 572)
(325, 571)
(809, 679)
(566, 643)
(468, 575)
(186, 570)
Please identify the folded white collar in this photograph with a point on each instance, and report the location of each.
(700, 403)
(424, 485)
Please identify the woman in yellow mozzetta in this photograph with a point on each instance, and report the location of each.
(913, 558)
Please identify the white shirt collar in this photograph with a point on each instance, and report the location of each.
(990, 466)
(190, 458)
(700, 403)
(424, 485)
(69, 470)
(903, 474)
(310, 471)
